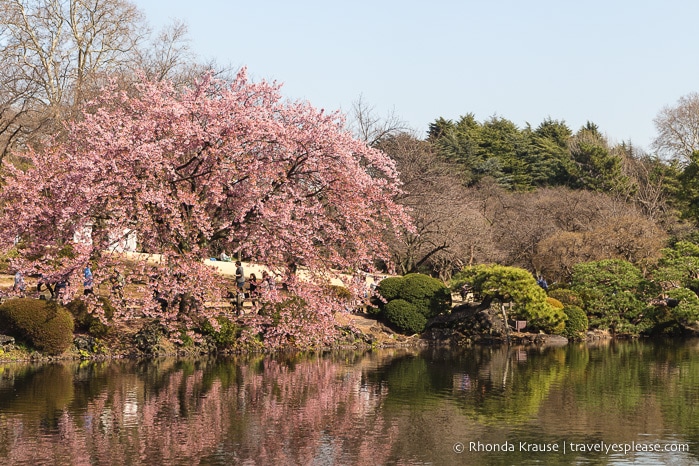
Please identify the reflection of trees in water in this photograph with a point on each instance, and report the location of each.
(285, 411)
(490, 383)
(342, 408)
(621, 389)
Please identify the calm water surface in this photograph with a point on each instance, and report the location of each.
(484, 405)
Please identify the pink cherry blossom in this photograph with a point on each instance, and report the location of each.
(226, 164)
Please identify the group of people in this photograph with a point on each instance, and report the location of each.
(58, 287)
(245, 289)
(254, 286)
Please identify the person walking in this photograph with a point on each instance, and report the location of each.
(19, 286)
(88, 282)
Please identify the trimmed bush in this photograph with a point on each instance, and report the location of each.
(419, 296)
(404, 316)
(44, 324)
(577, 323)
(390, 288)
(429, 295)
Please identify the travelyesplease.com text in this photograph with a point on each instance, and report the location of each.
(571, 447)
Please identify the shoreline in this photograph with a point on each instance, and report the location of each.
(358, 333)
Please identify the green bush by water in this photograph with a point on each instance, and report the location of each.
(411, 300)
(577, 322)
(404, 316)
(44, 324)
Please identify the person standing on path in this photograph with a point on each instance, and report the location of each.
(239, 275)
(240, 284)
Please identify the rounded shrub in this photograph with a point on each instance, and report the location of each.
(577, 322)
(390, 288)
(429, 295)
(417, 295)
(44, 324)
(404, 316)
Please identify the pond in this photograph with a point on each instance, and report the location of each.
(611, 403)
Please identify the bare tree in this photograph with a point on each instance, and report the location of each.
(678, 129)
(449, 230)
(648, 177)
(55, 54)
(604, 228)
(61, 44)
(373, 129)
(51, 53)
(18, 117)
(631, 237)
(168, 57)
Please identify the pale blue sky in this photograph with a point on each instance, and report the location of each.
(613, 62)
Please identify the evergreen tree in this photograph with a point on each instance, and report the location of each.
(549, 160)
(598, 168)
(688, 195)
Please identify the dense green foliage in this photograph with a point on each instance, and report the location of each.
(409, 301)
(688, 195)
(522, 159)
(577, 322)
(566, 296)
(429, 295)
(515, 285)
(679, 267)
(43, 324)
(672, 317)
(687, 309)
(618, 296)
(615, 294)
(390, 288)
(224, 336)
(404, 316)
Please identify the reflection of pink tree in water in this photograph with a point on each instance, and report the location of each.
(317, 410)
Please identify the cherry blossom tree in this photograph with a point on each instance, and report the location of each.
(230, 165)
